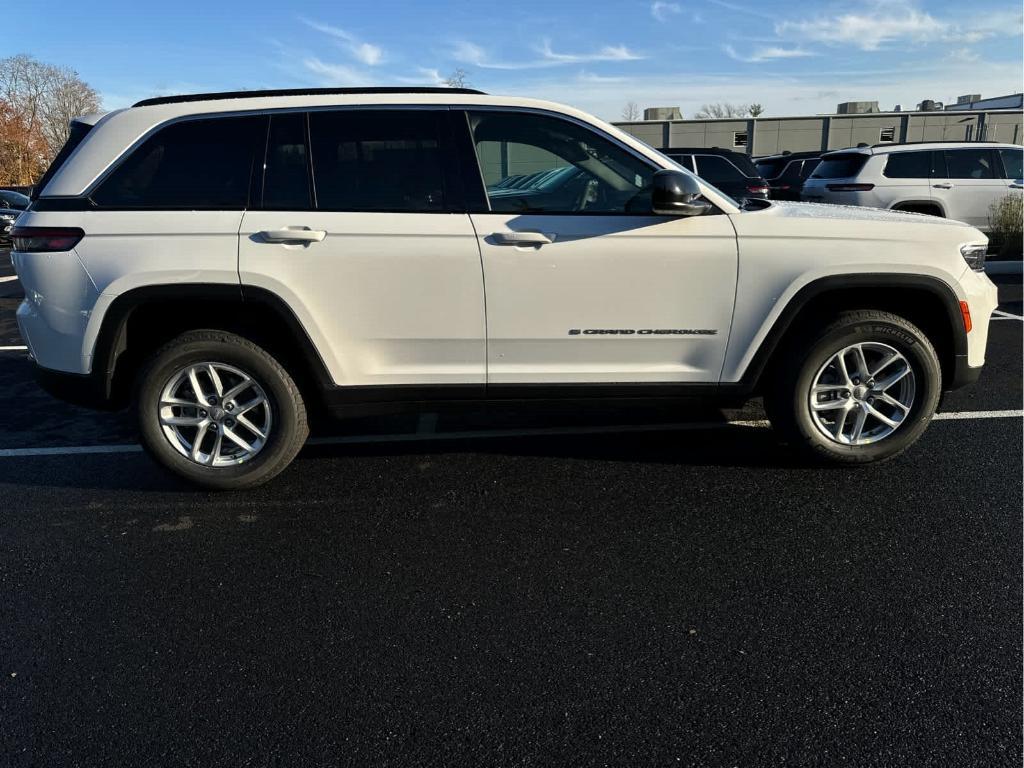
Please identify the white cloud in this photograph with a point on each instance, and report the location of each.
(424, 76)
(767, 53)
(963, 54)
(877, 26)
(336, 75)
(363, 52)
(662, 10)
(471, 53)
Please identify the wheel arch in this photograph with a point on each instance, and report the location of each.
(905, 205)
(926, 301)
(140, 320)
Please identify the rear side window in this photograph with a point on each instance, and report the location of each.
(684, 160)
(77, 132)
(970, 164)
(908, 165)
(286, 178)
(842, 166)
(771, 169)
(193, 165)
(377, 160)
(809, 166)
(1013, 160)
(717, 169)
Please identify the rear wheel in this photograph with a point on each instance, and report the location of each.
(220, 411)
(862, 389)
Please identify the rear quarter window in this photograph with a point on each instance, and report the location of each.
(202, 164)
(908, 165)
(841, 166)
(717, 169)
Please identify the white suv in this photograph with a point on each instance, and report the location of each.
(231, 264)
(954, 180)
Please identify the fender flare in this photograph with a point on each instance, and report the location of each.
(111, 340)
(817, 288)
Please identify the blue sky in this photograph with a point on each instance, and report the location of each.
(792, 57)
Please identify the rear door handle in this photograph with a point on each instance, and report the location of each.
(943, 185)
(293, 235)
(522, 238)
(1015, 185)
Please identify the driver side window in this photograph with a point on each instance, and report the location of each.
(538, 164)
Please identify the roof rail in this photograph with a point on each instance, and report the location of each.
(294, 92)
(935, 141)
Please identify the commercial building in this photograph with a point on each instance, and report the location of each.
(770, 135)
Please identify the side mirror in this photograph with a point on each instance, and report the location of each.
(675, 193)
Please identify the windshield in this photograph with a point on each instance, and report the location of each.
(12, 199)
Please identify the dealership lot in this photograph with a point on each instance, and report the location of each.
(504, 588)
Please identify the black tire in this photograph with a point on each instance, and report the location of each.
(787, 397)
(284, 440)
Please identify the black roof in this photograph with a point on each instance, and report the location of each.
(700, 151)
(293, 92)
(791, 155)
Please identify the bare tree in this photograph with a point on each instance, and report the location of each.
(458, 79)
(722, 109)
(755, 110)
(69, 97)
(631, 111)
(37, 102)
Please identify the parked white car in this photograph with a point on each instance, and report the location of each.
(954, 180)
(233, 265)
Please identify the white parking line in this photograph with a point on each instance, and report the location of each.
(8, 278)
(414, 437)
(14, 348)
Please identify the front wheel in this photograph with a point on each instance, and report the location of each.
(862, 389)
(219, 411)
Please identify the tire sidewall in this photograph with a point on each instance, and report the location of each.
(284, 411)
(927, 376)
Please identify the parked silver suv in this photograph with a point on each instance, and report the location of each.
(955, 180)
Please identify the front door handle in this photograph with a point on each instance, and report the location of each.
(522, 238)
(1016, 185)
(293, 235)
(943, 185)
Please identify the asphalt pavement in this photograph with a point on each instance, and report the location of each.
(506, 588)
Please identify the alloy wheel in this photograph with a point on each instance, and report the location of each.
(215, 414)
(862, 394)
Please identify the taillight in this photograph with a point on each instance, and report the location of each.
(850, 187)
(45, 239)
(755, 190)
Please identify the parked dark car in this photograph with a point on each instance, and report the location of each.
(787, 172)
(11, 205)
(732, 172)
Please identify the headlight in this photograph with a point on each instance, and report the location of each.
(974, 255)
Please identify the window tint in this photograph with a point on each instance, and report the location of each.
(908, 165)
(196, 164)
(770, 169)
(809, 166)
(286, 179)
(684, 160)
(841, 166)
(377, 160)
(76, 133)
(717, 169)
(969, 164)
(604, 178)
(1013, 159)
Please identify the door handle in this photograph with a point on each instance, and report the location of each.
(293, 235)
(943, 185)
(522, 238)
(1015, 185)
